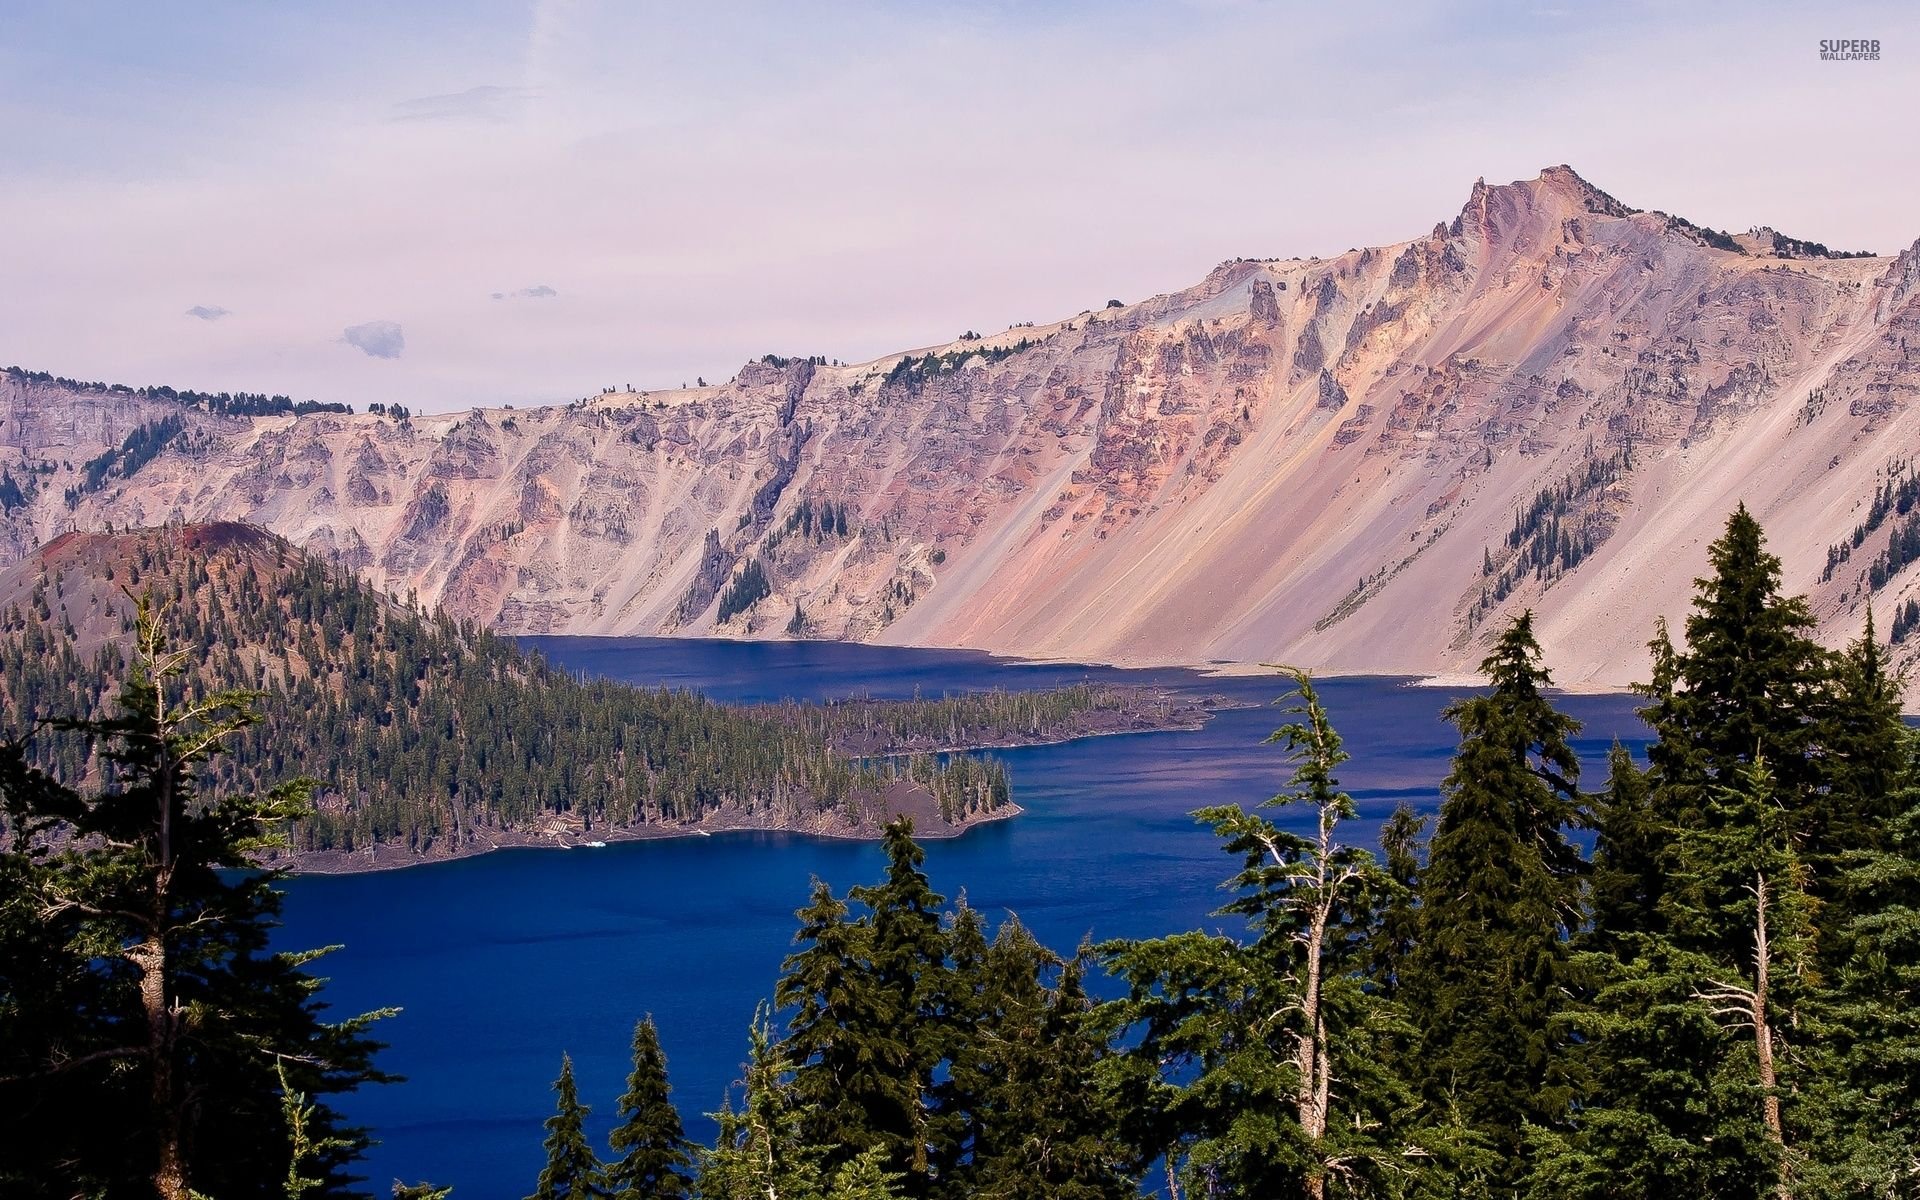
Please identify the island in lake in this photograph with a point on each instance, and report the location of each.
(435, 739)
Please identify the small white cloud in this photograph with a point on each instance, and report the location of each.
(208, 312)
(538, 291)
(378, 339)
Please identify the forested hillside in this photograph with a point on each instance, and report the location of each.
(430, 736)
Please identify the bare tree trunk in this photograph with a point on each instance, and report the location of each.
(170, 1170)
(1323, 1085)
(1314, 892)
(1310, 1053)
(1314, 1109)
(1763, 1032)
(1749, 1006)
(1307, 1056)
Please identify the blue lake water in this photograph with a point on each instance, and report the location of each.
(503, 962)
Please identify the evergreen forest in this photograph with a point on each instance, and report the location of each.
(1697, 977)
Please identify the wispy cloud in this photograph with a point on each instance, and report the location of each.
(488, 103)
(538, 291)
(208, 312)
(377, 339)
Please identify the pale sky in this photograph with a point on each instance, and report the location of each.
(446, 204)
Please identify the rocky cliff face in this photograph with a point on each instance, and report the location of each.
(1359, 463)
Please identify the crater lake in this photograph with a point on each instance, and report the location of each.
(501, 963)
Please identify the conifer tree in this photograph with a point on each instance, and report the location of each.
(1865, 1113)
(1740, 899)
(846, 1039)
(1397, 925)
(1629, 878)
(1864, 746)
(907, 965)
(761, 1151)
(572, 1172)
(1750, 684)
(1050, 1135)
(969, 1004)
(152, 1040)
(1728, 889)
(654, 1163)
(1667, 1108)
(1007, 1019)
(1687, 1039)
(1499, 897)
(1293, 890)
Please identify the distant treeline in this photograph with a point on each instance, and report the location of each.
(992, 718)
(912, 371)
(1557, 531)
(237, 404)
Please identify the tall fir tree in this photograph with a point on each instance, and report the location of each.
(1749, 685)
(654, 1162)
(1397, 924)
(1740, 900)
(1050, 1135)
(758, 1151)
(573, 1171)
(971, 1004)
(152, 1040)
(1863, 1114)
(1701, 1031)
(1666, 1108)
(1863, 753)
(761, 1151)
(1728, 891)
(907, 965)
(846, 1038)
(1629, 878)
(1499, 898)
(1295, 891)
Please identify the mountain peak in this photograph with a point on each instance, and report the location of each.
(1494, 211)
(1200, 475)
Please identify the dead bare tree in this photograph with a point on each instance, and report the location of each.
(1743, 1004)
(1307, 879)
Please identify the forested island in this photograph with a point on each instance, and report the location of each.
(993, 720)
(431, 738)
